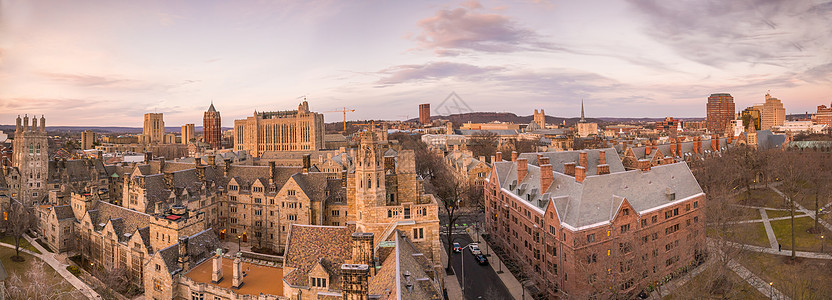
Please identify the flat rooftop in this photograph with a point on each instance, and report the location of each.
(258, 279)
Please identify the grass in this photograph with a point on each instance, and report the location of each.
(804, 241)
(20, 268)
(24, 244)
(799, 279)
(781, 213)
(751, 233)
(763, 197)
(702, 287)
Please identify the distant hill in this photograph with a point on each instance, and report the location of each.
(485, 117)
(102, 129)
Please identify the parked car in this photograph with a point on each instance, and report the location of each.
(481, 259)
(475, 249)
(457, 248)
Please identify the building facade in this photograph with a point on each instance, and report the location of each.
(87, 139)
(540, 118)
(154, 129)
(720, 111)
(188, 134)
(773, 113)
(295, 130)
(212, 128)
(585, 228)
(30, 157)
(424, 113)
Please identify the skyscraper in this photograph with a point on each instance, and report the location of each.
(424, 113)
(188, 133)
(154, 129)
(773, 113)
(212, 128)
(720, 111)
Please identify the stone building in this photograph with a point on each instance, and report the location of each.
(540, 119)
(772, 113)
(87, 139)
(475, 170)
(587, 229)
(212, 128)
(154, 129)
(31, 158)
(585, 128)
(294, 130)
(188, 134)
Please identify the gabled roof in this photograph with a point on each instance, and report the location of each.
(200, 247)
(308, 244)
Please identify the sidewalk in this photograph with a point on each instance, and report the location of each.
(767, 250)
(49, 258)
(451, 282)
(752, 279)
(772, 240)
(514, 287)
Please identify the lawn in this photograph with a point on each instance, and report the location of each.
(781, 213)
(20, 268)
(762, 197)
(804, 241)
(800, 279)
(736, 287)
(750, 233)
(24, 244)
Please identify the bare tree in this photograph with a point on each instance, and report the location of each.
(451, 190)
(483, 143)
(819, 180)
(36, 284)
(791, 169)
(17, 221)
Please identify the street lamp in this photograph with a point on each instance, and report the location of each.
(463, 268)
(771, 290)
(238, 242)
(821, 244)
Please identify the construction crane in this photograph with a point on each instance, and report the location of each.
(344, 111)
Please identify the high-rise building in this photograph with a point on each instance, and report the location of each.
(188, 133)
(720, 112)
(540, 118)
(824, 115)
(292, 130)
(424, 113)
(87, 139)
(773, 113)
(154, 129)
(212, 128)
(31, 157)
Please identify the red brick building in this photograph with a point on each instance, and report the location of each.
(424, 113)
(824, 115)
(720, 112)
(212, 128)
(584, 228)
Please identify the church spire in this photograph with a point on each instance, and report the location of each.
(582, 112)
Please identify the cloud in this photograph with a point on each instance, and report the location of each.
(86, 80)
(472, 4)
(718, 33)
(433, 71)
(52, 104)
(454, 31)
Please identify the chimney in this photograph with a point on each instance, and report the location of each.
(307, 163)
(580, 173)
(227, 166)
(216, 273)
(161, 164)
(482, 158)
(493, 159)
(522, 169)
(644, 164)
(271, 170)
(210, 160)
(355, 281)
(582, 159)
(101, 155)
(602, 157)
(647, 148)
(569, 168)
(169, 180)
(183, 253)
(714, 143)
(603, 169)
(498, 156)
(237, 269)
(362, 249)
(544, 160)
(148, 156)
(546, 177)
(513, 156)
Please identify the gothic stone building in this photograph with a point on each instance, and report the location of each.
(586, 228)
(295, 130)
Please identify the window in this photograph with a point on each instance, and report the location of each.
(233, 209)
(418, 233)
(258, 212)
(671, 213)
(655, 236)
(336, 213)
(625, 228)
(591, 258)
(687, 207)
(590, 238)
(625, 247)
(197, 296)
(655, 219)
(671, 229)
(592, 278)
(319, 282)
(290, 192)
(643, 222)
(696, 219)
(158, 268)
(257, 200)
(626, 212)
(157, 285)
(695, 204)
(292, 217)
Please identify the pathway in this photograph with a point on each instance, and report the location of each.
(753, 280)
(768, 250)
(804, 210)
(49, 258)
(772, 240)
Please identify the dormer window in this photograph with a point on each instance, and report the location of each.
(318, 282)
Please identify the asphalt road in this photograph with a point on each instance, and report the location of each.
(481, 282)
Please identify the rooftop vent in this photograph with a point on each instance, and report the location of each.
(671, 195)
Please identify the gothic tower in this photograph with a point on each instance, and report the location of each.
(31, 157)
(369, 184)
(212, 128)
(540, 118)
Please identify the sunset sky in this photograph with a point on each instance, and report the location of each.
(108, 62)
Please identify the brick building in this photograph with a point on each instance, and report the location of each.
(294, 130)
(212, 128)
(824, 115)
(719, 112)
(585, 228)
(424, 113)
(188, 134)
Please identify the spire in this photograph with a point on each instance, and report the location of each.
(582, 112)
(211, 108)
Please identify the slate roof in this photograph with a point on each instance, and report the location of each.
(63, 212)
(557, 159)
(308, 244)
(768, 140)
(124, 220)
(597, 198)
(314, 185)
(200, 247)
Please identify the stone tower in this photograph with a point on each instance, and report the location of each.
(540, 118)
(31, 158)
(154, 129)
(212, 128)
(369, 185)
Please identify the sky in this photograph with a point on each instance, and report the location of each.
(106, 63)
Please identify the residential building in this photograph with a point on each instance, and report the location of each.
(424, 113)
(585, 228)
(188, 134)
(212, 128)
(88, 139)
(154, 129)
(295, 130)
(720, 111)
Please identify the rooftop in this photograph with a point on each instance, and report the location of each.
(258, 278)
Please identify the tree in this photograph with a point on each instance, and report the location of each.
(791, 169)
(17, 221)
(451, 190)
(36, 284)
(483, 143)
(819, 180)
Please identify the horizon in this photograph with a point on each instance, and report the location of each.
(106, 64)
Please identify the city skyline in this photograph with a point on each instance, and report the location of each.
(106, 64)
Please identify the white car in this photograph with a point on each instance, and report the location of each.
(475, 249)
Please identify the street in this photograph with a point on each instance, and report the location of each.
(481, 282)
